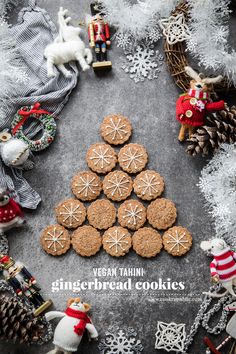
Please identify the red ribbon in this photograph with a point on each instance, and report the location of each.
(26, 114)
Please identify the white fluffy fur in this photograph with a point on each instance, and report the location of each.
(14, 152)
(68, 46)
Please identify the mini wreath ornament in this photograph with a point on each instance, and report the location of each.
(44, 117)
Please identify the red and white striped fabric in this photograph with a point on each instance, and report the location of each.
(224, 265)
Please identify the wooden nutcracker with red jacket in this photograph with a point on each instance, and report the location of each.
(192, 107)
(99, 38)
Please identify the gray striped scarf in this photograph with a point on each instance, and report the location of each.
(32, 33)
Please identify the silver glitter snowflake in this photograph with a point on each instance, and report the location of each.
(170, 336)
(143, 63)
(120, 341)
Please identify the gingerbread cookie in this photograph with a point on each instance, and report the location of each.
(117, 185)
(161, 213)
(148, 185)
(86, 185)
(101, 158)
(86, 241)
(147, 242)
(116, 129)
(117, 241)
(70, 213)
(177, 241)
(132, 214)
(55, 240)
(133, 158)
(101, 214)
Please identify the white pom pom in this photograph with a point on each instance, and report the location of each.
(14, 152)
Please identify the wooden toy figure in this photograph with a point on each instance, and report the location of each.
(23, 283)
(192, 107)
(70, 329)
(99, 38)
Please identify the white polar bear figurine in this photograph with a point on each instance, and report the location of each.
(68, 46)
(223, 266)
(70, 329)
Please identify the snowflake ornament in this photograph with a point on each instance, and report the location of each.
(170, 336)
(175, 29)
(120, 341)
(143, 63)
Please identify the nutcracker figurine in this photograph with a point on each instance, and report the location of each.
(192, 107)
(99, 38)
(23, 283)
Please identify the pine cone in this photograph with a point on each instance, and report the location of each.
(219, 128)
(17, 323)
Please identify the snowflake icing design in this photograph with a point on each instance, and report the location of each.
(170, 336)
(87, 186)
(120, 341)
(132, 214)
(116, 129)
(101, 157)
(149, 184)
(55, 239)
(143, 63)
(71, 213)
(132, 157)
(118, 185)
(177, 241)
(117, 240)
(175, 29)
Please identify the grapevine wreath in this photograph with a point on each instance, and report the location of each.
(220, 127)
(44, 117)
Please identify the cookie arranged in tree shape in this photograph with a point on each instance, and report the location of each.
(132, 214)
(101, 158)
(117, 185)
(101, 214)
(70, 213)
(86, 241)
(86, 185)
(148, 185)
(117, 241)
(133, 158)
(177, 241)
(55, 240)
(147, 242)
(116, 129)
(161, 213)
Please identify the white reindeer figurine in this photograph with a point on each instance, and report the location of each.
(223, 266)
(66, 47)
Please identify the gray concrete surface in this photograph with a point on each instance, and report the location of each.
(151, 108)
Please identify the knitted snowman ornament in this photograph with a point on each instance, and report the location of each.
(10, 213)
(14, 152)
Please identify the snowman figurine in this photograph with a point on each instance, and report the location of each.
(11, 214)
